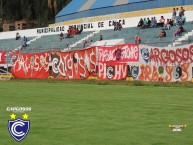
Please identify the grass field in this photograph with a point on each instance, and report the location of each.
(74, 113)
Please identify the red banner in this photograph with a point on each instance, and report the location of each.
(30, 65)
(119, 53)
(79, 64)
(112, 71)
(2, 57)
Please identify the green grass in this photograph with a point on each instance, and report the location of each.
(93, 113)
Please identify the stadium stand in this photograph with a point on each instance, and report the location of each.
(98, 7)
(148, 36)
(11, 44)
(52, 42)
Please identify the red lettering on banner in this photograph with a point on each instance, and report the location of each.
(112, 71)
(30, 65)
(78, 64)
(147, 73)
(185, 73)
(169, 74)
(155, 74)
(120, 53)
(177, 56)
(2, 57)
(169, 71)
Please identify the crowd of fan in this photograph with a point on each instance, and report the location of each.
(178, 19)
(117, 26)
(71, 32)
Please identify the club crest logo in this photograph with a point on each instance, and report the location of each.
(145, 54)
(134, 71)
(18, 128)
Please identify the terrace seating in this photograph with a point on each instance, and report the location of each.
(148, 36)
(11, 44)
(52, 42)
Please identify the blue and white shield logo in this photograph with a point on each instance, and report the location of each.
(18, 128)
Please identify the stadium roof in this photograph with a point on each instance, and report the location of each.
(81, 5)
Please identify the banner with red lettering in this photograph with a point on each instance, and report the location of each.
(2, 57)
(112, 71)
(30, 65)
(121, 53)
(79, 64)
(164, 64)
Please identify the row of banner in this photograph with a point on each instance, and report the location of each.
(108, 63)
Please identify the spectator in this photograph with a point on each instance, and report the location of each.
(61, 36)
(179, 31)
(162, 34)
(101, 38)
(171, 22)
(174, 14)
(181, 13)
(68, 47)
(183, 19)
(24, 43)
(161, 21)
(137, 39)
(91, 42)
(145, 25)
(140, 24)
(17, 36)
(154, 22)
(177, 15)
(80, 31)
(179, 21)
(86, 44)
(148, 22)
(115, 26)
(167, 25)
(71, 32)
(119, 26)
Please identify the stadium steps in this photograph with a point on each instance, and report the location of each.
(82, 40)
(28, 42)
(11, 44)
(185, 38)
(52, 42)
(182, 39)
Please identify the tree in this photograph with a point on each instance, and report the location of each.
(31, 10)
